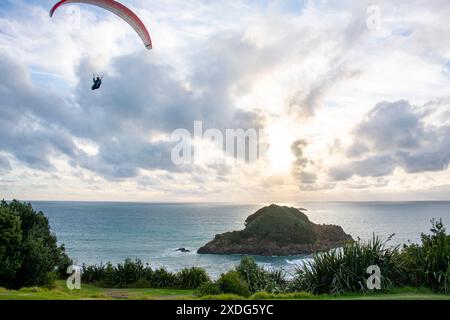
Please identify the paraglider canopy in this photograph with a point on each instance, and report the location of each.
(120, 10)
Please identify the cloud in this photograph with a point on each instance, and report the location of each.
(376, 166)
(389, 125)
(302, 164)
(123, 158)
(5, 165)
(28, 128)
(308, 177)
(396, 135)
(328, 52)
(231, 64)
(305, 101)
(139, 98)
(297, 149)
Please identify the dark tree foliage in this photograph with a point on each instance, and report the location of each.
(29, 253)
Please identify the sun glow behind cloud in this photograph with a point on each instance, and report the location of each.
(279, 152)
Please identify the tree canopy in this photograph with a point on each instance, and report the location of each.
(29, 253)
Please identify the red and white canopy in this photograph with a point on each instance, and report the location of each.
(120, 10)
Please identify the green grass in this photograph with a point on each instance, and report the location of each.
(395, 294)
(91, 292)
(401, 294)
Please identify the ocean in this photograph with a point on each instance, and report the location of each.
(95, 232)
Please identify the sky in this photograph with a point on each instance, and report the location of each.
(355, 104)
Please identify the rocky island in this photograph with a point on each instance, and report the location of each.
(278, 231)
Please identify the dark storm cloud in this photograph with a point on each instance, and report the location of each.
(395, 135)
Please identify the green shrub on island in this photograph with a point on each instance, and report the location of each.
(29, 254)
(428, 265)
(294, 227)
(277, 231)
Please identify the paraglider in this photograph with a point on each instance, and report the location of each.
(97, 82)
(121, 11)
(118, 9)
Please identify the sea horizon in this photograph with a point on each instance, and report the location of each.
(231, 202)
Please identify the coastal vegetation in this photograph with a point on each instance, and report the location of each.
(278, 230)
(31, 260)
(428, 264)
(345, 270)
(335, 272)
(134, 274)
(29, 254)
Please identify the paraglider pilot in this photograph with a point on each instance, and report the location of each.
(97, 83)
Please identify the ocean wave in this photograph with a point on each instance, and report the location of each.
(298, 262)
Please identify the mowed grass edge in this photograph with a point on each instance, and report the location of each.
(91, 292)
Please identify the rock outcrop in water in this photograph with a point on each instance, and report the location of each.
(278, 231)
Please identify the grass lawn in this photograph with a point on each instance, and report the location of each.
(404, 294)
(90, 292)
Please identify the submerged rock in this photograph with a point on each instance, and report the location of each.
(183, 250)
(278, 231)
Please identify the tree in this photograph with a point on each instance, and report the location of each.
(10, 239)
(30, 255)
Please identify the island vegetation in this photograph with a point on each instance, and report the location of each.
(278, 231)
(414, 271)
